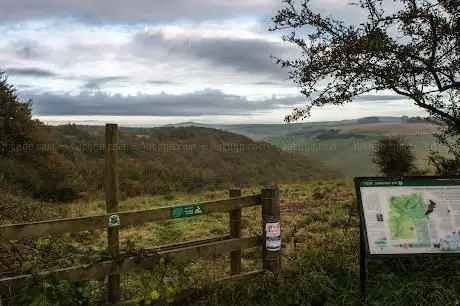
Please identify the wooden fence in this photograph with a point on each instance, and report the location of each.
(113, 220)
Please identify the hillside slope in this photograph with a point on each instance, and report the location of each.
(169, 159)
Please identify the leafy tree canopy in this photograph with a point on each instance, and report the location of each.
(15, 117)
(411, 49)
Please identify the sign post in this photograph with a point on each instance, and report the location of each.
(271, 251)
(407, 217)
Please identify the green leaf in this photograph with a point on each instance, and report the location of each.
(47, 285)
(154, 295)
(27, 266)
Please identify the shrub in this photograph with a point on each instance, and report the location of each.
(394, 157)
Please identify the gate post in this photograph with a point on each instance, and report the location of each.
(271, 229)
(235, 232)
(111, 200)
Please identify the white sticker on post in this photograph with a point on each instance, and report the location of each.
(273, 236)
(114, 220)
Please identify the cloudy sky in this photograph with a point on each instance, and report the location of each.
(144, 62)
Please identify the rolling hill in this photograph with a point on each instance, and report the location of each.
(158, 161)
(349, 147)
(345, 145)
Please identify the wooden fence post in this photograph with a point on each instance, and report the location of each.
(235, 232)
(111, 200)
(271, 251)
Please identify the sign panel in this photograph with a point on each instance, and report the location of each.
(186, 211)
(410, 215)
(273, 236)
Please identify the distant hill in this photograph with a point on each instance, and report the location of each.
(268, 131)
(187, 124)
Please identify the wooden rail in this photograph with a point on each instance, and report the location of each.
(127, 218)
(118, 263)
(133, 263)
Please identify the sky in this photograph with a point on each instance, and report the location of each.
(152, 62)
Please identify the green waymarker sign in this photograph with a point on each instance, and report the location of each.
(186, 211)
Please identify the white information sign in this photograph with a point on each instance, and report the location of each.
(273, 236)
(411, 216)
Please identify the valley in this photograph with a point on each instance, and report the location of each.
(343, 145)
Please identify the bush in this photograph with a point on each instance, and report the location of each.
(394, 157)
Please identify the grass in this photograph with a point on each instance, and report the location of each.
(320, 249)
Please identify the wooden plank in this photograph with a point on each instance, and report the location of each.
(235, 232)
(111, 202)
(127, 218)
(60, 226)
(211, 249)
(173, 246)
(133, 263)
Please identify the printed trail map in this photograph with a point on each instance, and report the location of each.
(403, 210)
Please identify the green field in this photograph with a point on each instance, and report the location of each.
(353, 156)
(348, 152)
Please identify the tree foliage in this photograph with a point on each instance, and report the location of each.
(394, 157)
(16, 121)
(447, 164)
(186, 159)
(27, 158)
(410, 47)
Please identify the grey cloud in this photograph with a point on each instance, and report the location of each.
(27, 49)
(378, 98)
(30, 72)
(242, 55)
(207, 102)
(23, 86)
(132, 11)
(239, 55)
(68, 54)
(160, 11)
(92, 83)
(98, 82)
(375, 98)
(272, 83)
(144, 11)
(161, 82)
